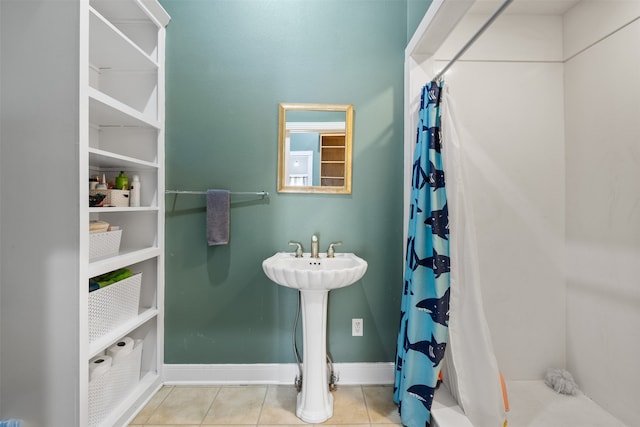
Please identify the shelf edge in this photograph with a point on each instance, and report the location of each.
(110, 338)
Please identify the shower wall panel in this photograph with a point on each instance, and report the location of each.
(509, 101)
(603, 208)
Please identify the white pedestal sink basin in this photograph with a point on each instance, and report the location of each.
(314, 277)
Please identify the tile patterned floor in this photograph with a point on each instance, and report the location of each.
(354, 406)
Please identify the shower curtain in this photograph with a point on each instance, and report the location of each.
(442, 315)
(470, 369)
(425, 299)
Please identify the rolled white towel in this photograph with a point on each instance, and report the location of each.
(561, 381)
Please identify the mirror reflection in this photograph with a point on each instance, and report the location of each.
(314, 148)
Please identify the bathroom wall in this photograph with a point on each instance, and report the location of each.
(509, 104)
(229, 64)
(39, 258)
(415, 12)
(603, 203)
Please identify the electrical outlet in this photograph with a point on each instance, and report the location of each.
(356, 327)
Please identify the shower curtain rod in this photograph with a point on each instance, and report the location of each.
(473, 39)
(264, 194)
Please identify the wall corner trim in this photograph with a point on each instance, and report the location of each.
(273, 373)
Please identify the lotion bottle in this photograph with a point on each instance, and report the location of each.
(134, 193)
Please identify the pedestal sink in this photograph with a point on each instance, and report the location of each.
(314, 277)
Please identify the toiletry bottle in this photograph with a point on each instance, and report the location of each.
(122, 182)
(134, 194)
(102, 185)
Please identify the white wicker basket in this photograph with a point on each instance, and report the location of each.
(113, 305)
(104, 244)
(108, 390)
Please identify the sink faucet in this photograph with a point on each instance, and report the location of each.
(314, 246)
(299, 249)
(331, 251)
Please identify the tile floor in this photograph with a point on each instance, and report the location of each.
(268, 405)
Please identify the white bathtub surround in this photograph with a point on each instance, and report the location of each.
(549, 108)
(518, 210)
(533, 404)
(445, 411)
(603, 215)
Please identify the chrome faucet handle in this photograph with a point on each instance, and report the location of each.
(331, 252)
(299, 249)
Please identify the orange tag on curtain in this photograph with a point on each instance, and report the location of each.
(505, 398)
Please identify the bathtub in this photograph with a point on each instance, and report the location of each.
(533, 404)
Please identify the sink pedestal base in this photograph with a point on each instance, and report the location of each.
(315, 403)
(314, 277)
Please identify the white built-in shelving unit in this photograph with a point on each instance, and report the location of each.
(82, 94)
(124, 92)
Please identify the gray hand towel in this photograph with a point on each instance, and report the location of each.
(217, 217)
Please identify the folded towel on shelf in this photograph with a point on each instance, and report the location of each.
(217, 217)
(110, 278)
(10, 423)
(98, 226)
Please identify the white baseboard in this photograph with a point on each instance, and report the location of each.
(273, 373)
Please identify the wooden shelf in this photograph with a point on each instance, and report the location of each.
(332, 160)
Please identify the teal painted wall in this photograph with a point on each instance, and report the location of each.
(415, 12)
(229, 64)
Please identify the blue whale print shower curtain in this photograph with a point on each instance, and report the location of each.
(425, 300)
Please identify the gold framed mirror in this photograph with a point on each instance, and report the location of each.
(315, 148)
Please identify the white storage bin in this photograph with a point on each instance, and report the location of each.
(115, 198)
(110, 389)
(113, 305)
(104, 244)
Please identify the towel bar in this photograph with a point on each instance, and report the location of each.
(263, 194)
